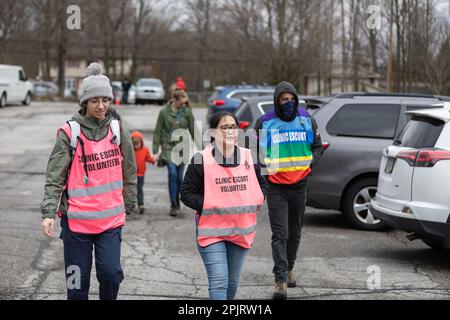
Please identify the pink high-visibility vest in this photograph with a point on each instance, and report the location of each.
(95, 204)
(232, 198)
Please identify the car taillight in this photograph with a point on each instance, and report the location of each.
(408, 156)
(423, 158)
(243, 124)
(428, 158)
(325, 145)
(218, 103)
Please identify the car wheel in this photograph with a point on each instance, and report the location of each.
(356, 205)
(432, 243)
(27, 100)
(3, 100)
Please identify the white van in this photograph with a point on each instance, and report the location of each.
(14, 85)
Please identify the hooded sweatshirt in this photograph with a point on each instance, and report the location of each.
(292, 179)
(60, 160)
(142, 155)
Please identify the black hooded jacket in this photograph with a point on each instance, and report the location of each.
(317, 147)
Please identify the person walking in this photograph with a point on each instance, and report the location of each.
(291, 146)
(91, 184)
(177, 114)
(142, 156)
(224, 186)
(126, 85)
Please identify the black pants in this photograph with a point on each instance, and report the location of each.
(78, 250)
(286, 212)
(125, 97)
(140, 192)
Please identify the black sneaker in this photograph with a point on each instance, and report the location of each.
(141, 209)
(173, 210)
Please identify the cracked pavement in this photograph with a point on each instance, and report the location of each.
(159, 254)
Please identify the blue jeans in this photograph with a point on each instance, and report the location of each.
(140, 192)
(223, 262)
(175, 180)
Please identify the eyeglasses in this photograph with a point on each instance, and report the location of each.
(225, 128)
(96, 101)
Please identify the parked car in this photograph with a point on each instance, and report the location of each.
(228, 98)
(355, 127)
(414, 179)
(44, 89)
(14, 85)
(132, 95)
(117, 91)
(150, 90)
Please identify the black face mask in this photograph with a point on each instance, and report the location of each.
(287, 108)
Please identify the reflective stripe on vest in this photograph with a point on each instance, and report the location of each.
(230, 210)
(95, 190)
(226, 231)
(98, 205)
(230, 204)
(95, 215)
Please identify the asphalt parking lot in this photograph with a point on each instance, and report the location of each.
(159, 254)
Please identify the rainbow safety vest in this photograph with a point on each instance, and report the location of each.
(232, 197)
(286, 147)
(95, 182)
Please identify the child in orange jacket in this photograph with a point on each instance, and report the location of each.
(142, 155)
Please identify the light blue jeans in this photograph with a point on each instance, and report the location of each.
(223, 262)
(175, 180)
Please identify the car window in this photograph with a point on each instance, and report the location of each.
(244, 113)
(22, 76)
(149, 83)
(365, 120)
(248, 94)
(421, 132)
(265, 93)
(243, 94)
(416, 107)
(267, 107)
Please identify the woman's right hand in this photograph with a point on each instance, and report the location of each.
(48, 226)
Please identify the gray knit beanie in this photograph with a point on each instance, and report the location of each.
(95, 84)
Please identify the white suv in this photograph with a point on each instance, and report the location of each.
(414, 180)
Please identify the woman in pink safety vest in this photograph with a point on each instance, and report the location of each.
(224, 186)
(91, 185)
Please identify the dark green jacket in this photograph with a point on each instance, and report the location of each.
(169, 121)
(60, 158)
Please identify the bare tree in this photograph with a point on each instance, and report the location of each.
(13, 22)
(200, 16)
(141, 13)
